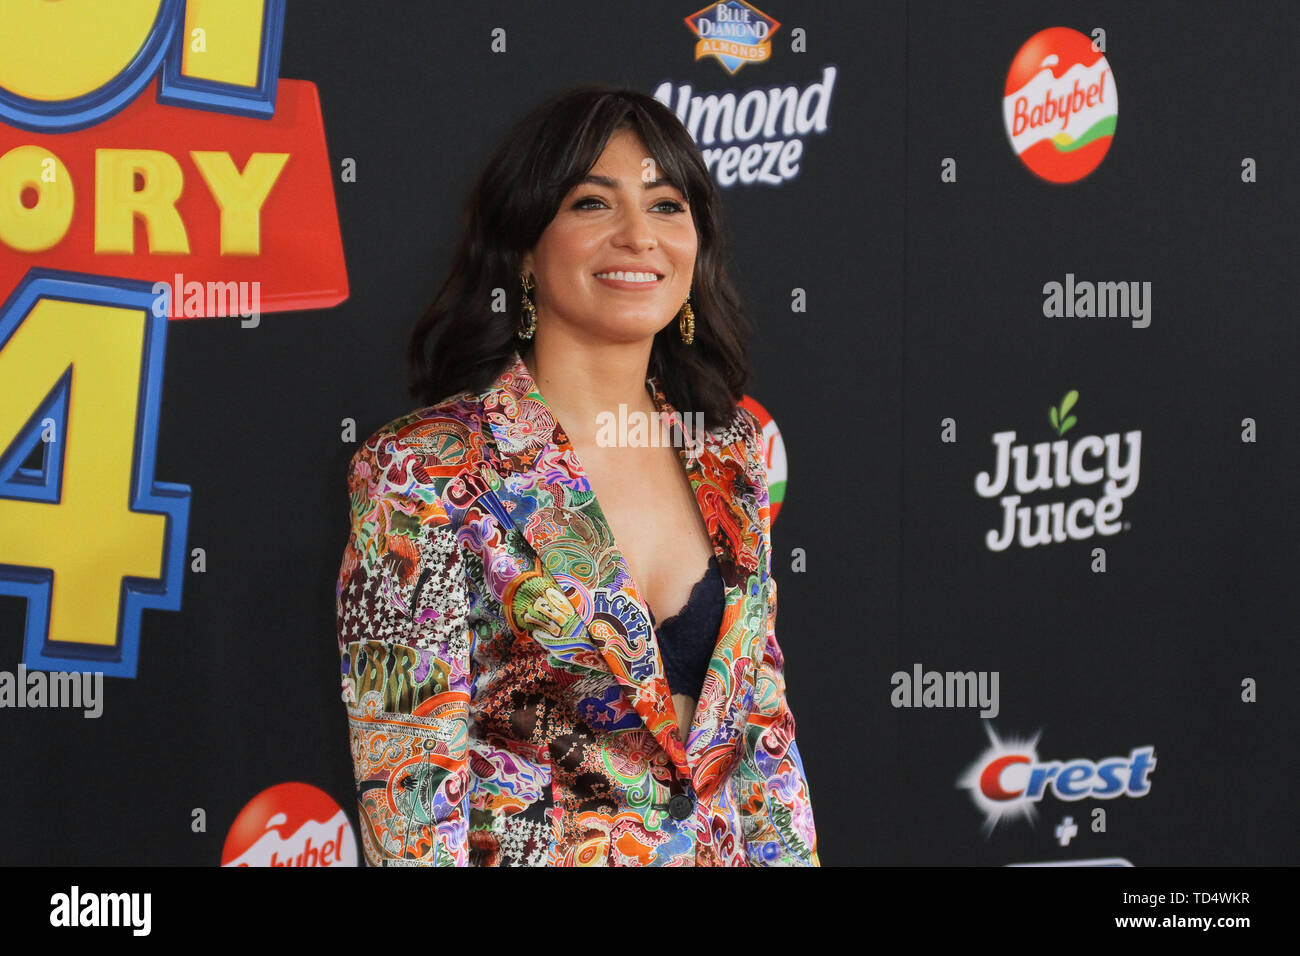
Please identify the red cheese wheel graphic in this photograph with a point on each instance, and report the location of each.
(1060, 105)
(290, 824)
(773, 449)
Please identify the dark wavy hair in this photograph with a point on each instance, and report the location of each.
(460, 344)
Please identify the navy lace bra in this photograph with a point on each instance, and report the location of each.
(687, 639)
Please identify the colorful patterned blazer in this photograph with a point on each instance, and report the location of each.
(505, 693)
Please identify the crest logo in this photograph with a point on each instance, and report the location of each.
(1008, 780)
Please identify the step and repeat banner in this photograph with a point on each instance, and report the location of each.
(1023, 281)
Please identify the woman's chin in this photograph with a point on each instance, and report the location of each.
(623, 333)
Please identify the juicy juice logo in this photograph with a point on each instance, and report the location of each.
(1060, 105)
(1058, 464)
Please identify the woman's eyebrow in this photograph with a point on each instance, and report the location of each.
(609, 183)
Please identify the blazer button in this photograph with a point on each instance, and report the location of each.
(680, 806)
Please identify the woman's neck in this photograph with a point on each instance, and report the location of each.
(580, 382)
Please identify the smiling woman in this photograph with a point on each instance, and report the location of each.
(618, 256)
(557, 650)
(547, 184)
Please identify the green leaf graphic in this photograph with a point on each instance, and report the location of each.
(1067, 403)
(1051, 417)
(1068, 424)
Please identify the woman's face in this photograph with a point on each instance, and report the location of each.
(616, 221)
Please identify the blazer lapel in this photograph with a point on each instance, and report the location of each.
(729, 503)
(538, 483)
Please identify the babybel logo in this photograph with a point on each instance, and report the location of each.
(1060, 105)
(290, 824)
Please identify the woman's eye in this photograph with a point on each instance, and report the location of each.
(585, 203)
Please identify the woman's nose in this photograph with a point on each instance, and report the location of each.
(635, 229)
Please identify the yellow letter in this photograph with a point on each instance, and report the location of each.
(240, 195)
(117, 201)
(91, 538)
(232, 48)
(59, 51)
(41, 227)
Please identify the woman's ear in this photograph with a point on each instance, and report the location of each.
(527, 265)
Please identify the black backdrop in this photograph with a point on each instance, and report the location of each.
(925, 303)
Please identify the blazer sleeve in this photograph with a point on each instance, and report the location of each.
(777, 816)
(405, 645)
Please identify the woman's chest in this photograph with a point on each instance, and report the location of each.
(651, 510)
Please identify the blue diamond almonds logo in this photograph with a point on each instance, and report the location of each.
(735, 32)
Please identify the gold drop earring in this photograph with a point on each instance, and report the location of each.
(529, 326)
(686, 321)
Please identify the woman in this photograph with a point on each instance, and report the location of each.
(516, 691)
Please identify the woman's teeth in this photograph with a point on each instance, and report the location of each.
(628, 276)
